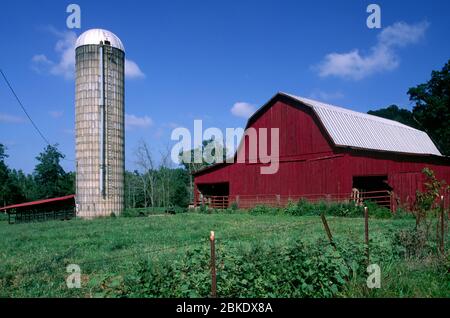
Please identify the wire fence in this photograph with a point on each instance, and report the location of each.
(222, 240)
(55, 263)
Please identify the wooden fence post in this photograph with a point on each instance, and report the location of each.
(327, 230)
(366, 232)
(212, 240)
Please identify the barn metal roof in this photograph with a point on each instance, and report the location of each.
(349, 128)
(95, 36)
(32, 203)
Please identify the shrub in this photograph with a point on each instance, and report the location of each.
(3, 217)
(140, 212)
(304, 207)
(131, 213)
(426, 204)
(291, 208)
(344, 209)
(411, 243)
(378, 212)
(341, 209)
(263, 209)
(256, 271)
(403, 214)
(203, 209)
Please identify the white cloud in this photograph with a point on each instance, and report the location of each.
(40, 63)
(65, 63)
(133, 121)
(242, 109)
(132, 70)
(401, 34)
(382, 56)
(65, 51)
(326, 96)
(41, 58)
(56, 114)
(65, 48)
(11, 119)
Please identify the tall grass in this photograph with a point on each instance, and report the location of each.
(112, 251)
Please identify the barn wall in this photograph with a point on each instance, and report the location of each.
(300, 132)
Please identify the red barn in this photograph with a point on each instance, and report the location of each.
(325, 152)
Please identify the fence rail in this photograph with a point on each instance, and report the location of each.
(215, 202)
(383, 198)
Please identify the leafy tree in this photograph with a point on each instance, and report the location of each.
(53, 181)
(3, 154)
(427, 200)
(180, 187)
(26, 184)
(191, 166)
(10, 193)
(393, 112)
(209, 149)
(4, 176)
(134, 190)
(67, 185)
(157, 183)
(432, 107)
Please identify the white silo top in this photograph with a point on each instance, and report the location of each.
(95, 36)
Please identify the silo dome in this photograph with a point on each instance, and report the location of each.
(99, 36)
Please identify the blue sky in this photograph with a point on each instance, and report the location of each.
(212, 60)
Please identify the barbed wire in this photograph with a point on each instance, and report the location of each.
(49, 266)
(220, 240)
(277, 257)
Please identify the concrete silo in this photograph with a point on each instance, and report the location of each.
(99, 124)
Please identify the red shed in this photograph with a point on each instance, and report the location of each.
(47, 209)
(325, 152)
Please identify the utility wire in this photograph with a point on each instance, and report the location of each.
(23, 108)
(26, 113)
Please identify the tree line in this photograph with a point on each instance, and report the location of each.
(48, 180)
(158, 182)
(152, 185)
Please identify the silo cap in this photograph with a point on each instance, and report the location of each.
(99, 36)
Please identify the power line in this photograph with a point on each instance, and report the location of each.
(23, 108)
(26, 113)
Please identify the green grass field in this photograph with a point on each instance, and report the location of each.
(33, 256)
